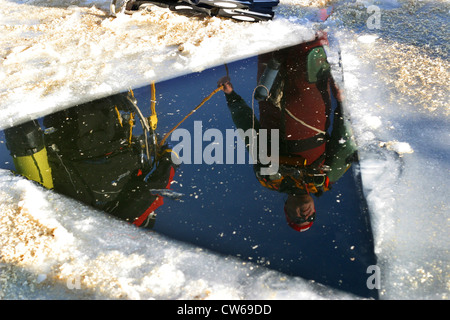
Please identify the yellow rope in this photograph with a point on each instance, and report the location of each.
(195, 109)
(153, 119)
(131, 124)
(119, 117)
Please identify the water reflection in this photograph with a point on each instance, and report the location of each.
(115, 154)
(92, 154)
(295, 93)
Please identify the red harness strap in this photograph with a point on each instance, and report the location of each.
(159, 201)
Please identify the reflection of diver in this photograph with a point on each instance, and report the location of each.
(95, 158)
(295, 95)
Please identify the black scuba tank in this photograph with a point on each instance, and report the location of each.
(268, 80)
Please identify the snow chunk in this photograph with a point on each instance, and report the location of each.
(367, 38)
(399, 147)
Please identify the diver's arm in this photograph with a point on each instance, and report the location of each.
(341, 147)
(242, 115)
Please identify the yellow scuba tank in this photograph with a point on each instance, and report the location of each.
(26, 145)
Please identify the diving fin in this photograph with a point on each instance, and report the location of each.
(245, 10)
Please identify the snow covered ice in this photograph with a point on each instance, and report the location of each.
(55, 53)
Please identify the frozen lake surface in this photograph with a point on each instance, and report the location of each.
(396, 95)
